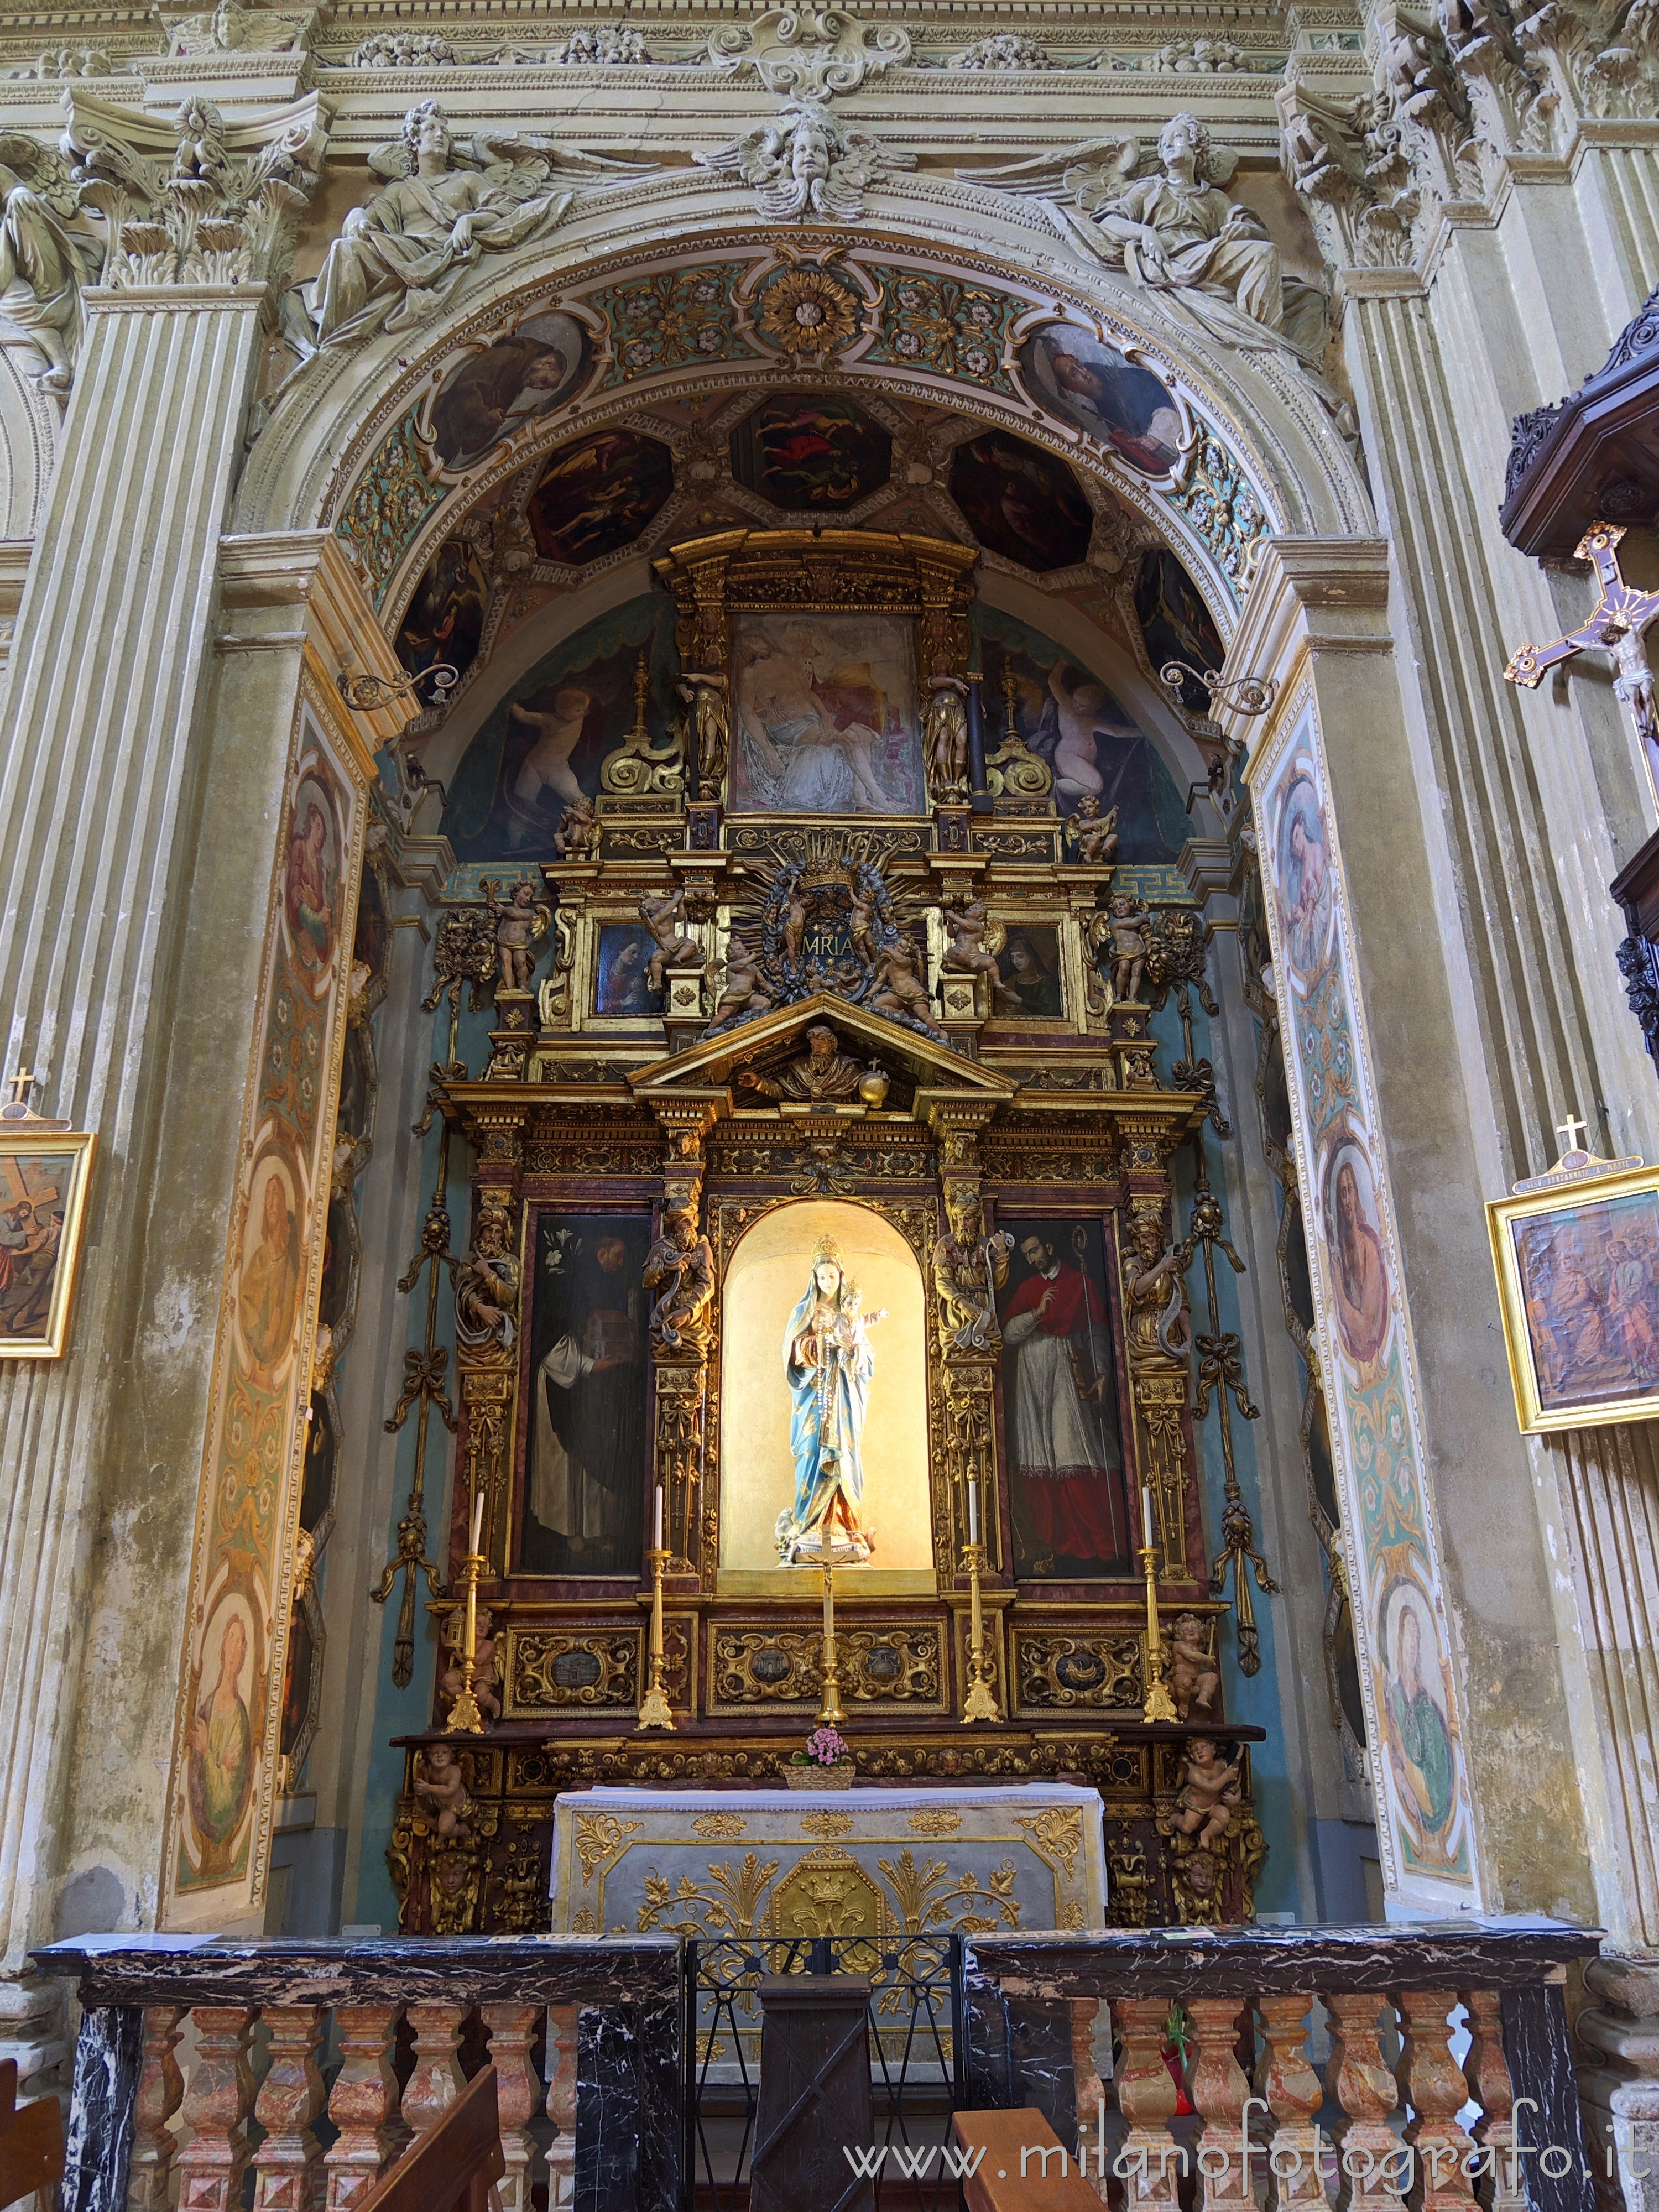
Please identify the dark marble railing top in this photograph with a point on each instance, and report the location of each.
(189, 1969)
(1466, 1954)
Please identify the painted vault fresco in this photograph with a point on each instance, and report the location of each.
(811, 451)
(1176, 623)
(444, 618)
(497, 392)
(1020, 501)
(597, 493)
(1083, 380)
(1405, 1660)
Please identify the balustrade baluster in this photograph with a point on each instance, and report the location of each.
(561, 2107)
(1149, 2160)
(437, 2079)
(290, 2097)
(1218, 2090)
(217, 2102)
(1436, 2092)
(1285, 2081)
(1091, 2090)
(1360, 2081)
(363, 2103)
(161, 2091)
(512, 2030)
(1487, 2073)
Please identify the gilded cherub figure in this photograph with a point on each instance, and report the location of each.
(1210, 1792)
(900, 989)
(519, 926)
(1095, 835)
(1193, 1675)
(742, 991)
(945, 731)
(1128, 935)
(444, 1788)
(577, 838)
(665, 918)
(968, 954)
(679, 1273)
(454, 1678)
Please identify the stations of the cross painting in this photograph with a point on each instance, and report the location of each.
(1616, 623)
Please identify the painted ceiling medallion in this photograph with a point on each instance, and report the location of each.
(809, 311)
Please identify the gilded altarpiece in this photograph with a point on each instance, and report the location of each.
(229, 1726)
(829, 1094)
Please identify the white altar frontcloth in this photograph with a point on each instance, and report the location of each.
(863, 1861)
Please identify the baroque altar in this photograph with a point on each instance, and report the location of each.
(822, 1218)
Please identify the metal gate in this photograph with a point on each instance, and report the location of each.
(917, 2076)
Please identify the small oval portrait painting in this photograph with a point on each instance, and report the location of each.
(311, 884)
(1359, 1267)
(508, 386)
(1090, 384)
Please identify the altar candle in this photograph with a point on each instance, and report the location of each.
(1147, 1517)
(478, 1519)
(659, 1517)
(973, 1510)
(829, 1602)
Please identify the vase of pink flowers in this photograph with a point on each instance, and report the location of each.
(827, 1763)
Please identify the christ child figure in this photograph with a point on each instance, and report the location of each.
(444, 1788)
(1193, 1673)
(1210, 1794)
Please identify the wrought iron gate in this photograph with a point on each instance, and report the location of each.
(916, 2055)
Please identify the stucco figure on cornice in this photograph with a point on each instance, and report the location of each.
(449, 201)
(807, 163)
(1163, 219)
(230, 28)
(43, 259)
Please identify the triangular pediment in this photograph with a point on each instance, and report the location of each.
(924, 1064)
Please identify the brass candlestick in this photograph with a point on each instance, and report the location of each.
(829, 1712)
(464, 1717)
(981, 1704)
(653, 1706)
(1159, 1706)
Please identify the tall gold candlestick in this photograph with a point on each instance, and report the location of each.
(465, 1715)
(829, 1712)
(1159, 1706)
(980, 1703)
(653, 1706)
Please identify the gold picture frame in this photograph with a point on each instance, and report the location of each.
(1577, 1269)
(45, 1175)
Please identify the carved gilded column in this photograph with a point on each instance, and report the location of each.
(679, 1280)
(487, 1288)
(1157, 1336)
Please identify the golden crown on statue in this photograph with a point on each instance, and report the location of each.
(827, 1249)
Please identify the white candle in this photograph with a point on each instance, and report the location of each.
(659, 1517)
(973, 1510)
(478, 1519)
(1147, 1517)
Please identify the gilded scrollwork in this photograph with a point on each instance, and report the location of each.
(581, 1668)
(1055, 1671)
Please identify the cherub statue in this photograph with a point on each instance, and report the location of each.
(483, 1664)
(1194, 1676)
(1095, 837)
(899, 988)
(487, 1287)
(665, 918)
(966, 1267)
(968, 954)
(520, 926)
(1128, 936)
(944, 730)
(679, 1273)
(743, 991)
(443, 1786)
(1210, 1792)
(711, 730)
(577, 838)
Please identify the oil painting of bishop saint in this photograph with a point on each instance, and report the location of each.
(584, 1477)
(1066, 1449)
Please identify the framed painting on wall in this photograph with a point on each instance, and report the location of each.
(1578, 1284)
(44, 1175)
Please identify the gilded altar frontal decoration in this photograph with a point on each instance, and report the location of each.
(46, 1169)
(1577, 1267)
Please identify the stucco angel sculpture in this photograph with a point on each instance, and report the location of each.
(43, 263)
(1172, 228)
(449, 201)
(807, 163)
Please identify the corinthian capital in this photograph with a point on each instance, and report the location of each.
(198, 200)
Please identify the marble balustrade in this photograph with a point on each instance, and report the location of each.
(1346, 2039)
(399, 2026)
